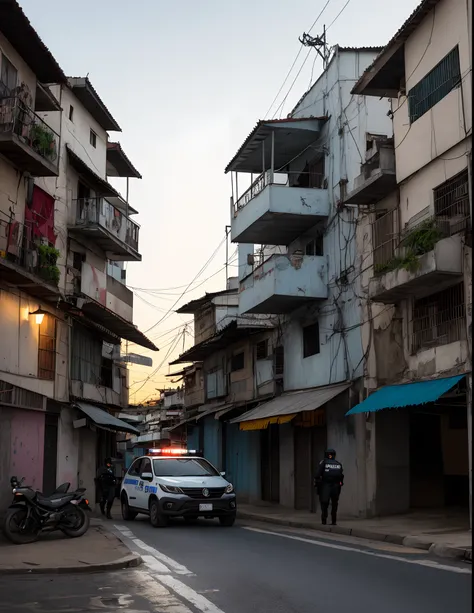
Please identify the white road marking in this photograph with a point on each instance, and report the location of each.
(428, 563)
(197, 600)
(155, 564)
(176, 566)
(157, 594)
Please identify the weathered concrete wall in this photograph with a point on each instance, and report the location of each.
(287, 466)
(87, 461)
(68, 448)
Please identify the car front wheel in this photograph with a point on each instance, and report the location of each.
(157, 519)
(127, 514)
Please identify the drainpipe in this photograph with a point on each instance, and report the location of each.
(272, 164)
(469, 378)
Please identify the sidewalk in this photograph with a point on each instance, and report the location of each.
(97, 550)
(437, 532)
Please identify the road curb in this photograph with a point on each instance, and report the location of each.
(130, 561)
(443, 551)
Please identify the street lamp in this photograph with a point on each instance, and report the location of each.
(39, 314)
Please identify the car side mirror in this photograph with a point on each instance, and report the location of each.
(147, 476)
(223, 473)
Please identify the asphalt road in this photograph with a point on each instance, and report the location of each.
(251, 568)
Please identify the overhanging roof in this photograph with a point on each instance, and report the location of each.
(16, 27)
(292, 137)
(291, 403)
(405, 395)
(118, 164)
(44, 99)
(221, 340)
(210, 409)
(87, 95)
(102, 186)
(116, 324)
(384, 75)
(103, 419)
(196, 305)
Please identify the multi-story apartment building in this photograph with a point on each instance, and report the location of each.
(414, 238)
(299, 169)
(64, 306)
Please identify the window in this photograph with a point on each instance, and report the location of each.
(47, 348)
(106, 373)
(451, 204)
(262, 350)
(71, 112)
(315, 246)
(93, 139)
(435, 86)
(146, 466)
(183, 467)
(310, 340)
(439, 319)
(279, 361)
(9, 77)
(77, 259)
(384, 239)
(237, 362)
(134, 470)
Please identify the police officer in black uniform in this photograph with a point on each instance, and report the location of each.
(328, 480)
(107, 482)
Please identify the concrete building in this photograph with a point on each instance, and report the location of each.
(414, 240)
(64, 306)
(298, 170)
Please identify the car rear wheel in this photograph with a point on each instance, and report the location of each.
(157, 519)
(227, 520)
(127, 514)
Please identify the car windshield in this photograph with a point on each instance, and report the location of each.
(184, 467)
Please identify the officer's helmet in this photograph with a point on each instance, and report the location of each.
(330, 454)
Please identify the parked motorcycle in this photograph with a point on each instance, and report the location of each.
(31, 513)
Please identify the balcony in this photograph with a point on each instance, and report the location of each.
(27, 262)
(377, 179)
(284, 283)
(108, 228)
(271, 212)
(418, 275)
(26, 140)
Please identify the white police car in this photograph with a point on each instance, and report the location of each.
(176, 483)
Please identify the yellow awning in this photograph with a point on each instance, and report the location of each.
(262, 424)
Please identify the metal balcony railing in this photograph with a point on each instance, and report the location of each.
(99, 212)
(307, 179)
(35, 254)
(17, 118)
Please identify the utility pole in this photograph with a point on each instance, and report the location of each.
(227, 232)
(318, 43)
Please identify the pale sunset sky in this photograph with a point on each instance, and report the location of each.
(187, 81)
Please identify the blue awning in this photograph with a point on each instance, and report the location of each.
(405, 395)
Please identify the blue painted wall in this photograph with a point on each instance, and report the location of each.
(193, 438)
(212, 441)
(243, 462)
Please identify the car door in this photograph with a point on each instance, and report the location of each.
(131, 482)
(145, 486)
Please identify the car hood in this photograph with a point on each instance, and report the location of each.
(193, 481)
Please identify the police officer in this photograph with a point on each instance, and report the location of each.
(107, 482)
(329, 480)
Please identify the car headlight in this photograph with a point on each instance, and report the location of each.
(229, 489)
(171, 489)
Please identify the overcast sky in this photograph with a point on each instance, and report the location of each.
(187, 81)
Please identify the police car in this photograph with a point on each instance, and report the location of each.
(176, 483)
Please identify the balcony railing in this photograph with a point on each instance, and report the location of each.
(99, 212)
(19, 246)
(22, 122)
(269, 177)
(385, 236)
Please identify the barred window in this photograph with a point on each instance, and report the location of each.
(451, 204)
(435, 86)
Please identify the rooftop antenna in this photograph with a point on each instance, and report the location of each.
(318, 43)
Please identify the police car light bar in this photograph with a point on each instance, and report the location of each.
(172, 451)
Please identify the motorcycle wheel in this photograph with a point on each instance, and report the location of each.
(15, 529)
(77, 520)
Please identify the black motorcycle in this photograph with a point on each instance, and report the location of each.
(31, 513)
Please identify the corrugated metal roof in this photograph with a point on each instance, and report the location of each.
(102, 418)
(198, 303)
(405, 395)
(294, 402)
(103, 187)
(16, 28)
(400, 36)
(119, 163)
(86, 93)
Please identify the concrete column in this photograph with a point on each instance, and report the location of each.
(469, 442)
(244, 251)
(287, 466)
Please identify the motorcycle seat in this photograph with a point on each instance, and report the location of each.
(54, 501)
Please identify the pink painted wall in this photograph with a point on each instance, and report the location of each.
(27, 447)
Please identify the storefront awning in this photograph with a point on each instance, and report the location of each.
(405, 395)
(209, 410)
(102, 419)
(283, 408)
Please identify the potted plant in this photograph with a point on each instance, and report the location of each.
(47, 268)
